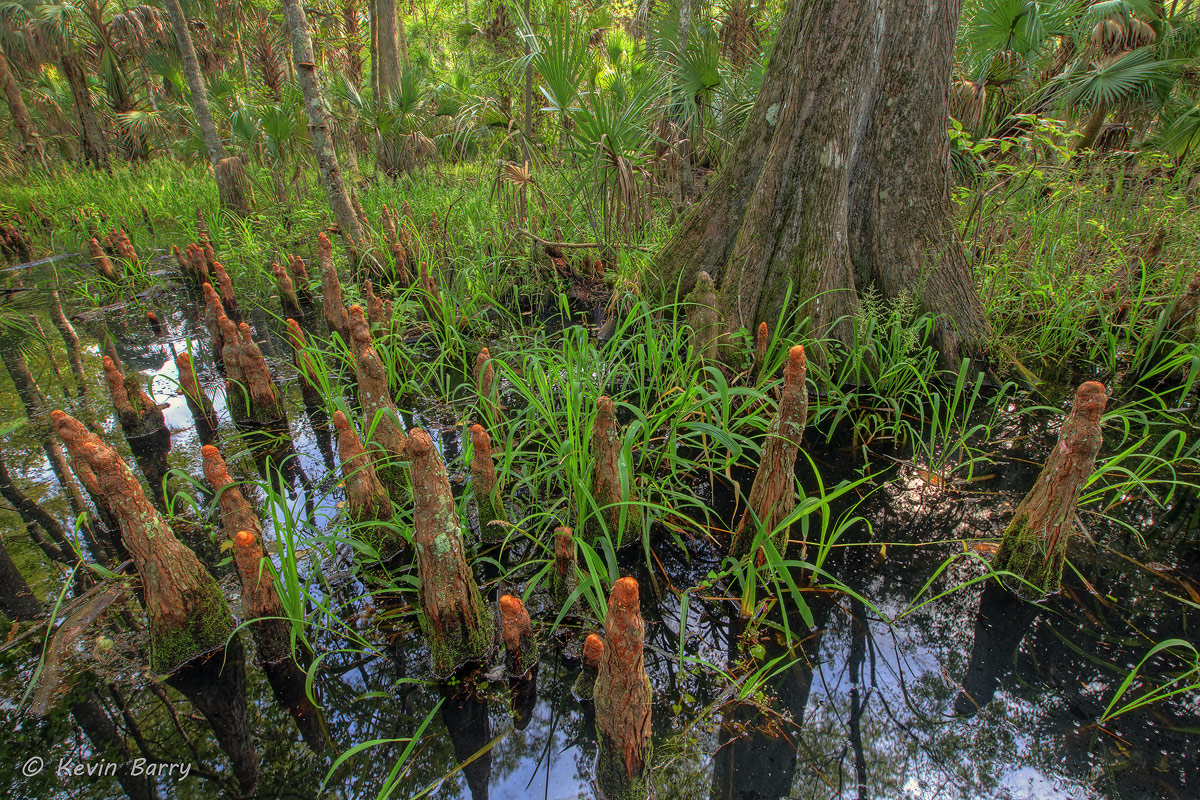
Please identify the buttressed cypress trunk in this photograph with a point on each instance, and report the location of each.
(188, 614)
(838, 182)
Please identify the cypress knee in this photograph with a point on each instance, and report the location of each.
(288, 301)
(606, 479)
(188, 614)
(431, 296)
(761, 338)
(516, 629)
(265, 401)
(214, 312)
(622, 698)
(334, 308)
(228, 298)
(309, 386)
(484, 489)
(564, 579)
(773, 493)
(300, 278)
(456, 622)
(485, 382)
(702, 317)
(589, 667)
(197, 401)
(100, 259)
(260, 601)
(382, 418)
(1035, 542)
(367, 501)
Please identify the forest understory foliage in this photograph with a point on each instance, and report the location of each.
(398, 267)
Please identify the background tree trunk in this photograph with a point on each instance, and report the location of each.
(839, 179)
(95, 148)
(318, 125)
(31, 143)
(230, 194)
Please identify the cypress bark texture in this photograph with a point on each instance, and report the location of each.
(188, 614)
(228, 296)
(140, 416)
(606, 479)
(71, 339)
(367, 501)
(265, 401)
(487, 493)
(622, 697)
(1035, 542)
(456, 622)
(95, 147)
(485, 382)
(213, 314)
(773, 494)
(702, 317)
(516, 629)
(839, 180)
(102, 262)
(318, 125)
(288, 301)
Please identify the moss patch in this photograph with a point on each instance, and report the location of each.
(208, 628)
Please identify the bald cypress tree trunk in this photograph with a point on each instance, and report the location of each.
(839, 181)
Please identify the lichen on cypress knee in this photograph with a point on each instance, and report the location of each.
(622, 697)
(1034, 545)
(457, 623)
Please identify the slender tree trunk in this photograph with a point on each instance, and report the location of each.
(318, 125)
(839, 181)
(353, 32)
(390, 156)
(95, 148)
(229, 193)
(1092, 127)
(31, 143)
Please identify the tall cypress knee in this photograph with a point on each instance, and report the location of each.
(456, 622)
(622, 697)
(1035, 542)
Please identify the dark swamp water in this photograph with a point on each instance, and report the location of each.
(971, 695)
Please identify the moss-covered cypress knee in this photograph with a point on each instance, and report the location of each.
(516, 629)
(188, 614)
(484, 488)
(139, 415)
(1035, 542)
(260, 400)
(456, 622)
(606, 480)
(367, 501)
(773, 494)
(589, 667)
(564, 578)
(622, 698)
